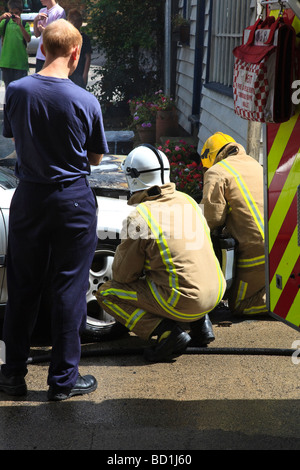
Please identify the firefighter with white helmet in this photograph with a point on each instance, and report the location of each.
(146, 166)
(165, 271)
(233, 199)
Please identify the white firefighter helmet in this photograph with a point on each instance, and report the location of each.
(146, 166)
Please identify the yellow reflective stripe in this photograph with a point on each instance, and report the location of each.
(116, 309)
(147, 264)
(207, 232)
(169, 305)
(250, 262)
(284, 269)
(171, 310)
(255, 310)
(293, 315)
(130, 320)
(279, 145)
(164, 251)
(134, 318)
(122, 294)
(241, 293)
(284, 201)
(257, 216)
(166, 305)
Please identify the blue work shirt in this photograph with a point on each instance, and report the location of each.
(54, 123)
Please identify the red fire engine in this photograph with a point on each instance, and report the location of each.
(282, 196)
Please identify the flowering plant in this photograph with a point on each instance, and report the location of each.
(179, 20)
(185, 172)
(163, 102)
(143, 111)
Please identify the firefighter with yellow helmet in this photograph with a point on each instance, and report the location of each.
(165, 272)
(233, 200)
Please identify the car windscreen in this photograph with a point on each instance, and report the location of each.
(108, 179)
(7, 179)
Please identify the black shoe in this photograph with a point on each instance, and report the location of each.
(85, 384)
(166, 346)
(15, 385)
(201, 332)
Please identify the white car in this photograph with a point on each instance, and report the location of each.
(32, 46)
(109, 184)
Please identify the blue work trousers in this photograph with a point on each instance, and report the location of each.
(52, 238)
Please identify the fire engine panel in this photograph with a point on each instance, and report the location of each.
(282, 197)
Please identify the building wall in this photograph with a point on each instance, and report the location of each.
(216, 108)
(185, 72)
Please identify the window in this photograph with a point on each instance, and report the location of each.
(186, 9)
(229, 18)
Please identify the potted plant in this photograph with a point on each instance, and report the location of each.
(181, 29)
(166, 116)
(185, 168)
(143, 113)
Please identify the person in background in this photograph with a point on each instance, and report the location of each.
(49, 13)
(15, 36)
(80, 76)
(233, 201)
(58, 131)
(165, 271)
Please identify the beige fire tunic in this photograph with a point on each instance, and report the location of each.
(165, 265)
(233, 196)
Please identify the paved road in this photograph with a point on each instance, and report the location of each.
(198, 402)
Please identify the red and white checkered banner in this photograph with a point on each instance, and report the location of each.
(251, 90)
(264, 70)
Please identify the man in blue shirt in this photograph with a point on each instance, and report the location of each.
(58, 132)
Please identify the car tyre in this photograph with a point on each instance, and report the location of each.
(100, 324)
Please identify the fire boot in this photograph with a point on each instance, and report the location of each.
(171, 342)
(201, 332)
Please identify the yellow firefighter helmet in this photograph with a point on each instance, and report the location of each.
(212, 147)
